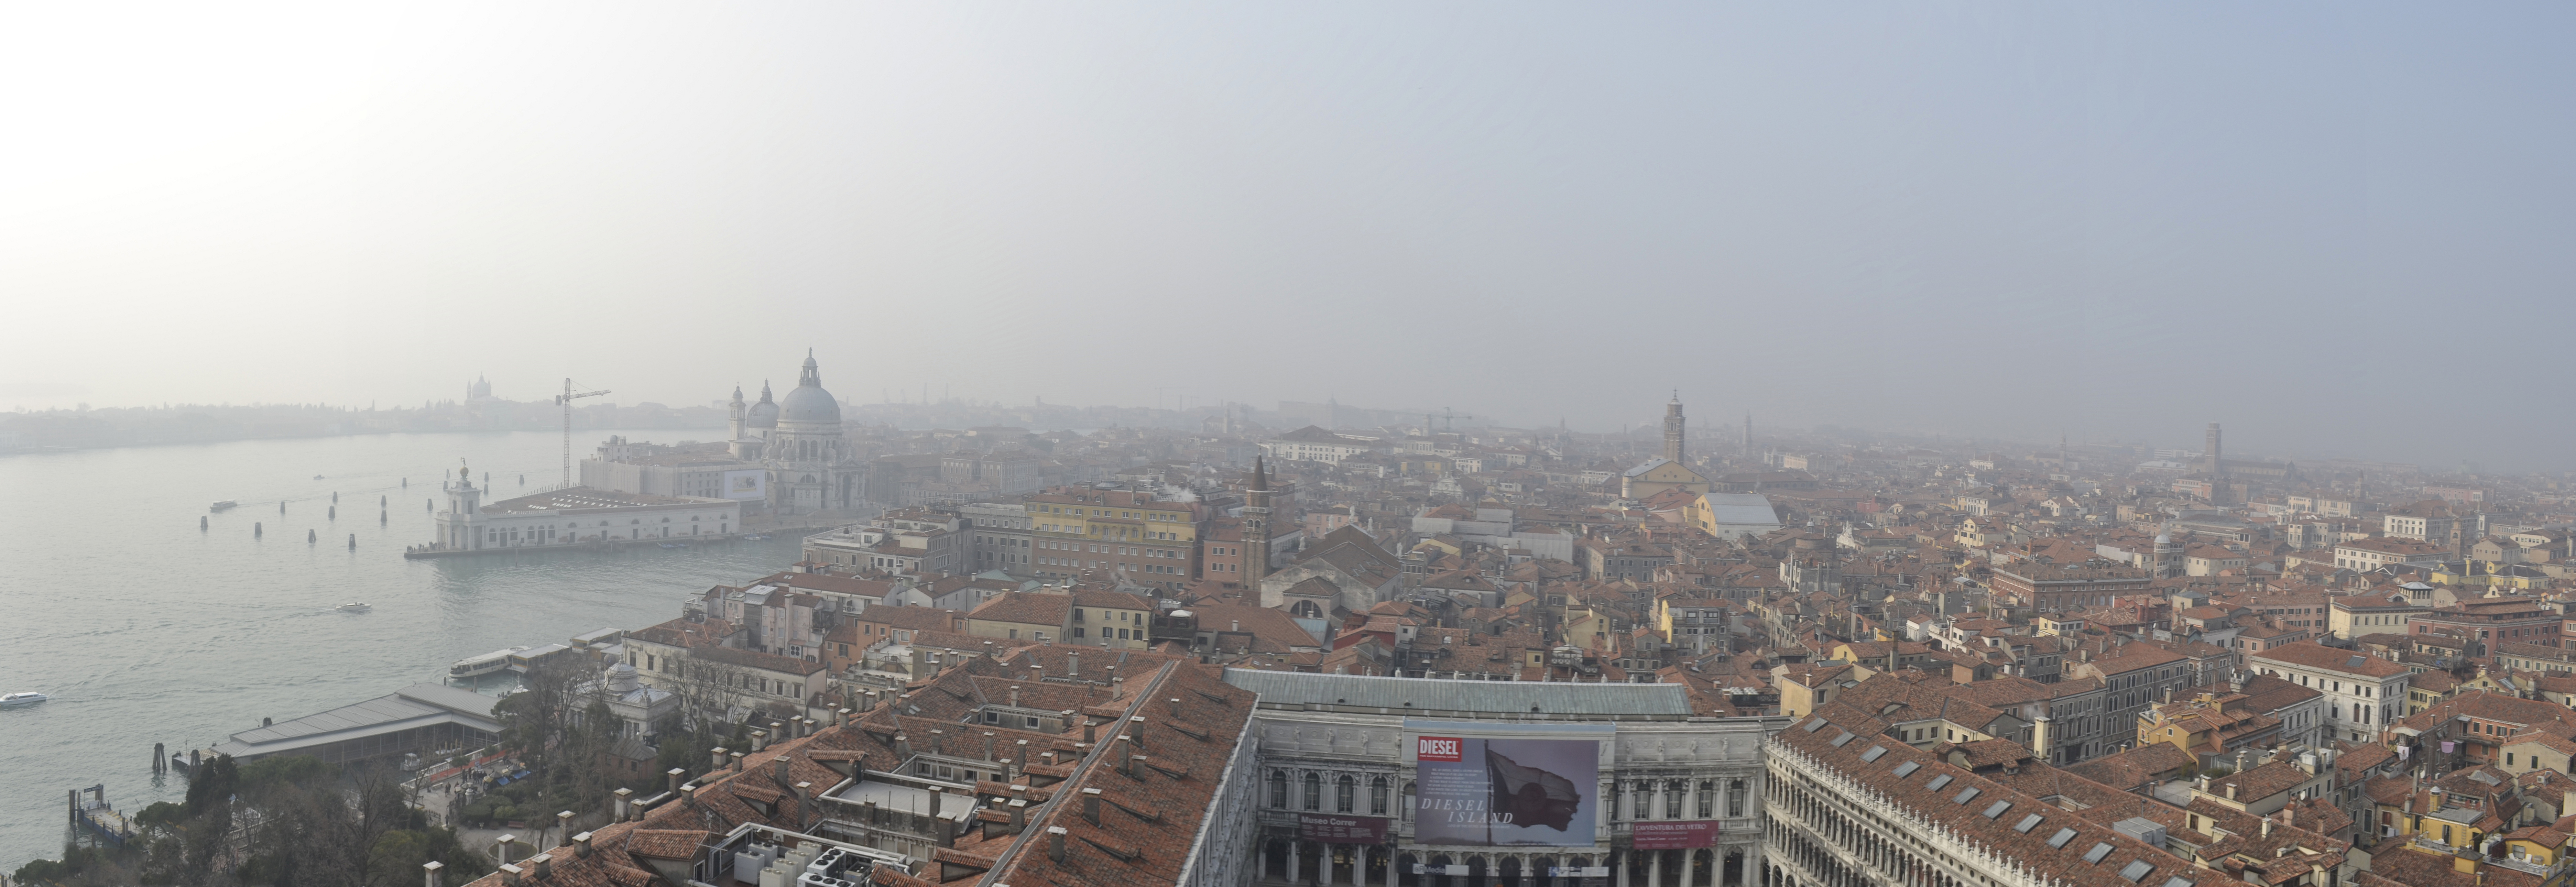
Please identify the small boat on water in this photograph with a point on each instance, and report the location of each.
(317, 477)
(756, 537)
(478, 666)
(353, 608)
(22, 700)
(673, 545)
(226, 505)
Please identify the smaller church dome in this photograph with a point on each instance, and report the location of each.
(762, 415)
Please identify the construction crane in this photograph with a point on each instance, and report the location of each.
(565, 399)
(1445, 416)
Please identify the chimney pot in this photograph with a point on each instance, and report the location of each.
(625, 796)
(1055, 843)
(719, 754)
(506, 842)
(543, 864)
(676, 774)
(1091, 805)
(737, 759)
(510, 874)
(429, 872)
(581, 845)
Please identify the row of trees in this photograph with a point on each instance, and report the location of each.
(296, 821)
(286, 822)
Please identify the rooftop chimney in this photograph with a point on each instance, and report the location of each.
(778, 770)
(625, 796)
(1091, 805)
(429, 871)
(544, 865)
(581, 845)
(1055, 844)
(737, 760)
(506, 843)
(676, 774)
(563, 827)
(510, 874)
(718, 753)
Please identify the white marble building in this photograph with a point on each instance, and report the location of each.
(1332, 752)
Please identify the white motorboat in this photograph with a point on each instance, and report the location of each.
(478, 666)
(353, 608)
(225, 505)
(20, 700)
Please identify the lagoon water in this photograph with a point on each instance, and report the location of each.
(145, 629)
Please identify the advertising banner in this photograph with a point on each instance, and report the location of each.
(1506, 786)
(747, 485)
(1326, 829)
(1675, 835)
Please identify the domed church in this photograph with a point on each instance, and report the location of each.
(798, 440)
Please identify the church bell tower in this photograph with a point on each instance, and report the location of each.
(1673, 429)
(1256, 525)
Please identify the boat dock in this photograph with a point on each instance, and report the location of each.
(100, 818)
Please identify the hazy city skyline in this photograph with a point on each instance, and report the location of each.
(2002, 221)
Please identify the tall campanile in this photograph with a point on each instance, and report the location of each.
(1673, 429)
(1256, 526)
(2217, 465)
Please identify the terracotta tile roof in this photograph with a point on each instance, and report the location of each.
(1910, 794)
(2310, 654)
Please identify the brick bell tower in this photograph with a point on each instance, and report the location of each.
(1256, 525)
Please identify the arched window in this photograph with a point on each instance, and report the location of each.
(1673, 799)
(1314, 792)
(1707, 799)
(1279, 789)
(1735, 798)
(1346, 795)
(1377, 796)
(1408, 802)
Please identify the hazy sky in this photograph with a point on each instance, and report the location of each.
(2341, 229)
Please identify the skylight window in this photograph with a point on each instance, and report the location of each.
(2136, 871)
(1813, 725)
(1997, 809)
(2027, 823)
(2099, 850)
(1907, 769)
(1965, 796)
(1873, 753)
(1846, 737)
(1937, 782)
(2058, 841)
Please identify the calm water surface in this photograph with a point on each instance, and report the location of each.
(145, 629)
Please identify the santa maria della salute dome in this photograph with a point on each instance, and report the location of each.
(798, 441)
(809, 403)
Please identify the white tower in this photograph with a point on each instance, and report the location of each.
(464, 502)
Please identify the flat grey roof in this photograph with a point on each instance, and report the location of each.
(418, 705)
(1742, 509)
(1440, 694)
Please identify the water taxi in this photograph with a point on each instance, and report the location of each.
(21, 700)
(225, 505)
(478, 666)
(353, 608)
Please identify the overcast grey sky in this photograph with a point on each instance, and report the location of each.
(2341, 229)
